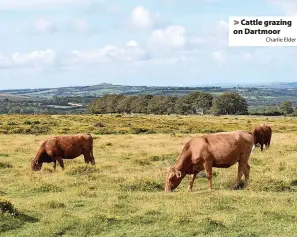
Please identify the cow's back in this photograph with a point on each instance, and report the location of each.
(223, 148)
(68, 147)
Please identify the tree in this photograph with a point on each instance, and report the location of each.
(287, 107)
(184, 105)
(124, 105)
(140, 104)
(162, 104)
(230, 103)
(200, 101)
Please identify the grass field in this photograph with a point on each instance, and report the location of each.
(123, 195)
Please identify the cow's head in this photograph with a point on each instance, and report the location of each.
(173, 179)
(36, 165)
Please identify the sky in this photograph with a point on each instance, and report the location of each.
(55, 43)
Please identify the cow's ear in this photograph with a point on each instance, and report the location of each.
(178, 174)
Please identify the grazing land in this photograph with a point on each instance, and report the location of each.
(123, 194)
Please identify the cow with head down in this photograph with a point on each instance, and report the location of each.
(218, 150)
(64, 147)
(262, 135)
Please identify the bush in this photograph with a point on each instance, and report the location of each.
(4, 165)
(54, 205)
(82, 170)
(99, 125)
(141, 130)
(142, 185)
(7, 207)
(46, 188)
(29, 122)
(165, 157)
(272, 185)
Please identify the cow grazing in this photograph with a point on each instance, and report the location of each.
(64, 147)
(219, 150)
(262, 135)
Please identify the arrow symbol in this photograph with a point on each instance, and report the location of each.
(236, 22)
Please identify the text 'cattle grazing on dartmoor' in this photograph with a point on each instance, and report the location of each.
(64, 147)
(220, 150)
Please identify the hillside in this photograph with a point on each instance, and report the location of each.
(256, 95)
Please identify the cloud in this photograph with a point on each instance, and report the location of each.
(130, 53)
(171, 38)
(37, 58)
(141, 17)
(38, 4)
(42, 25)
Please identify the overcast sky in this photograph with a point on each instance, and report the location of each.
(52, 43)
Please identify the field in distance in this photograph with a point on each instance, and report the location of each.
(123, 194)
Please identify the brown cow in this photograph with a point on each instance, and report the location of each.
(64, 147)
(262, 135)
(220, 150)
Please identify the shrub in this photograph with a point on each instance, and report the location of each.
(54, 205)
(4, 165)
(142, 185)
(272, 185)
(141, 130)
(165, 157)
(29, 122)
(82, 170)
(142, 162)
(46, 188)
(99, 125)
(7, 207)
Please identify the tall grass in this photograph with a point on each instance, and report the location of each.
(136, 124)
(123, 194)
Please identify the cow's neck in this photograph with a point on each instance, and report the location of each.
(183, 162)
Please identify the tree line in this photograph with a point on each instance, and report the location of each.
(194, 103)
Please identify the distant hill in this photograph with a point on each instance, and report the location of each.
(104, 88)
(259, 94)
(14, 97)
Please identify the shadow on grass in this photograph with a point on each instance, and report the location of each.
(12, 221)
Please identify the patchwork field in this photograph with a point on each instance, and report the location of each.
(123, 194)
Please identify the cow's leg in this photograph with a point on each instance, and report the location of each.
(262, 146)
(55, 165)
(192, 182)
(87, 157)
(208, 169)
(61, 162)
(241, 168)
(246, 175)
(268, 143)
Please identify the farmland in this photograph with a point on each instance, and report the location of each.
(123, 194)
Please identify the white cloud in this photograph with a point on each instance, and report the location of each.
(38, 4)
(42, 25)
(173, 37)
(130, 53)
(37, 57)
(141, 17)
